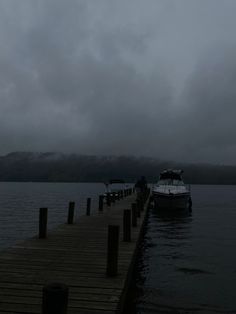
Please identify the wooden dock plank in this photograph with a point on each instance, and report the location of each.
(74, 255)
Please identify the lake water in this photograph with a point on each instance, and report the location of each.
(188, 264)
(20, 203)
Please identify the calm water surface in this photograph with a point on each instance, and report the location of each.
(189, 261)
(20, 203)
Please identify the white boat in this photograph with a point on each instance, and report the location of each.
(170, 192)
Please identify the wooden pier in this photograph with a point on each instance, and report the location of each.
(75, 255)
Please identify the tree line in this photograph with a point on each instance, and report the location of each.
(54, 167)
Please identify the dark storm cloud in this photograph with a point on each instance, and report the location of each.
(211, 98)
(72, 88)
(130, 77)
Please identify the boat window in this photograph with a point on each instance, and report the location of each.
(170, 182)
(178, 182)
(163, 182)
(171, 176)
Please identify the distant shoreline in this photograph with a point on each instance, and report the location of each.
(100, 182)
(56, 167)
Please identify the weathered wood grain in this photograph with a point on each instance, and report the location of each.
(74, 255)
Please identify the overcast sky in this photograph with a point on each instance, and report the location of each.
(134, 77)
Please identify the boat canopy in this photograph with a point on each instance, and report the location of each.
(171, 174)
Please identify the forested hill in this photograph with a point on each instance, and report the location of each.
(57, 167)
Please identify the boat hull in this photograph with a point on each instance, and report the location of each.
(171, 201)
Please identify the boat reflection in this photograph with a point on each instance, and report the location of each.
(166, 240)
(170, 228)
(170, 215)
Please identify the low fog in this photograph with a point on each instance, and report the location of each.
(146, 78)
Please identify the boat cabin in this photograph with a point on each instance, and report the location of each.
(171, 177)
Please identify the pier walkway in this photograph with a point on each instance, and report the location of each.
(75, 255)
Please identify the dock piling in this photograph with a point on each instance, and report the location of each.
(100, 203)
(118, 195)
(55, 299)
(134, 215)
(43, 219)
(113, 197)
(108, 199)
(71, 211)
(112, 250)
(127, 225)
(88, 208)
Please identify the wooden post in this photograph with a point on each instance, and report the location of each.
(108, 198)
(55, 299)
(118, 195)
(43, 219)
(88, 209)
(71, 211)
(127, 225)
(100, 203)
(112, 250)
(113, 197)
(134, 215)
(111, 200)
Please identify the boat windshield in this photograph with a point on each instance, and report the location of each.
(170, 181)
(170, 175)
